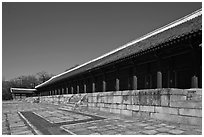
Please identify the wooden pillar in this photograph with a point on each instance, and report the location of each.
(159, 79)
(134, 79)
(104, 82)
(93, 85)
(78, 88)
(72, 89)
(59, 91)
(67, 89)
(195, 66)
(84, 86)
(159, 73)
(117, 81)
(194, 82)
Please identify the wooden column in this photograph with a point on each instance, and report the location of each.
(84, 82)
(134, 79)
(159, 79)
(93, 84)
(72, 89)
(104, 82)
(117, 81)
(159, 73)
(194, 82)
(67, 89)
(195, 66)
(77, 87)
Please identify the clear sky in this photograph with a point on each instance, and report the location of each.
(56, 36)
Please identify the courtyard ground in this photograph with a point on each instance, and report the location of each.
(23, 118)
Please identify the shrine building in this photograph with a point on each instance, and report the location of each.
(168, 57)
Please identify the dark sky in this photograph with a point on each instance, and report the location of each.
(56, 36)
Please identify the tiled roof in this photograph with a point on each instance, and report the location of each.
(184, 26)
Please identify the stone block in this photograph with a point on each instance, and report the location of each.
(122, 106)
(194, 97)
(94, 99)
(135, 99)
(116, 111)
(186, 104)
(135, 92)
(129, 107)
(140, 114)
(110, 93)
(127, 99)
(90, 99)
(98, 98)
(190, 112)
(165, 117)
(105, 99)
(193, 94)
(165, 101)
(178, 92)
(164, 91)
(177, 97)
(117, 93)
(117, 99)
(90, 104)
(135, 107)
(102, 99)
(98, 104)
(156, 99)
(143, 98)
(167, 110)
(126, 112)
(127, 92)
(95, 94)
(147, 108)
(107, 105)
(110, 99)
(192, 120)
(196, 91)
(177, 118)
(114, 105)
(150, 99)
(105, 109)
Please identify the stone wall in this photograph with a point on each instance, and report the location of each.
(173, 105)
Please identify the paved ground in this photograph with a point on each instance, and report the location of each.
(22, 118)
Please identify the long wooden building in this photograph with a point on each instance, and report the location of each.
(169, 57)
(21, 93)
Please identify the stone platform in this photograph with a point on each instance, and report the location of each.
(20, 117)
